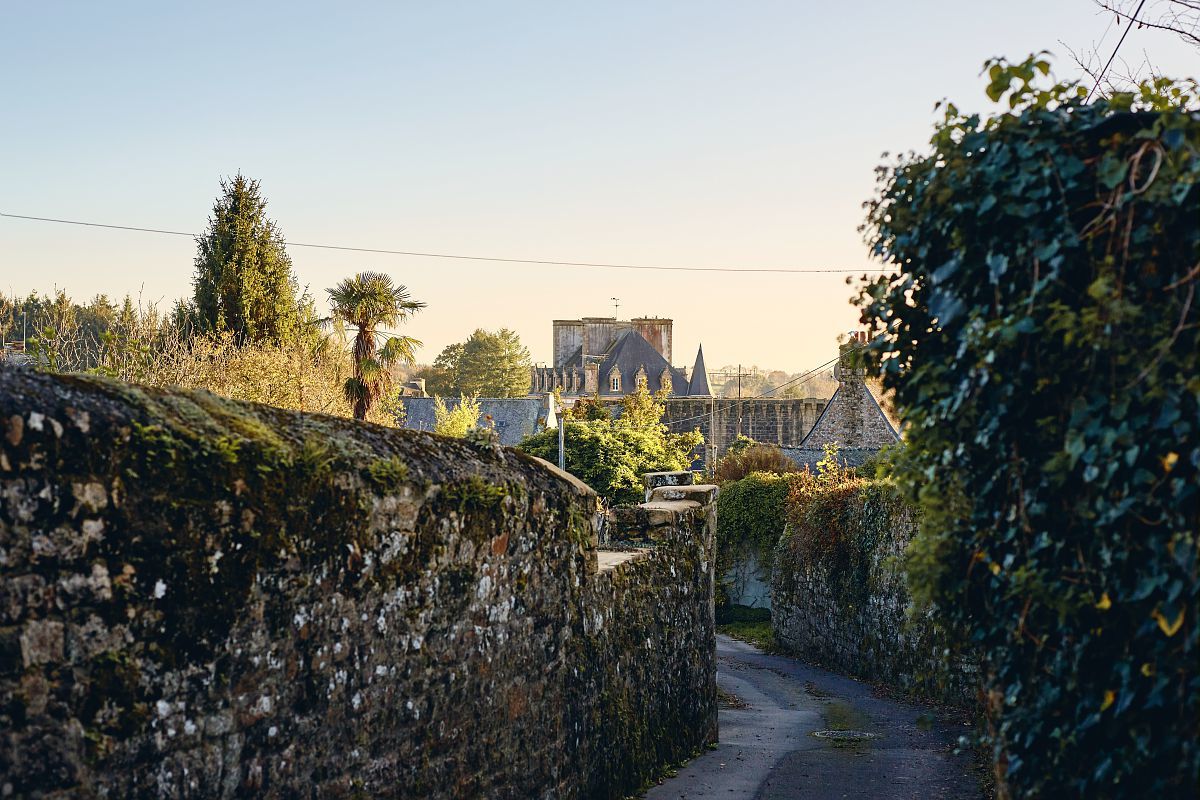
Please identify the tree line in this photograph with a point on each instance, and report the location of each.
(248, 331)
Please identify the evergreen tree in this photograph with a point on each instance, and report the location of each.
(441, 379)
(244, 282)
(494, 365)
(485, 365)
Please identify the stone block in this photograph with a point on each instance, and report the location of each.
(703, 493)
(41, 642)
(652, 480)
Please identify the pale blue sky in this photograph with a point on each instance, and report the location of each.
(678, 133)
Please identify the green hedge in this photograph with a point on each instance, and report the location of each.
(1042, 334)
(826, 516)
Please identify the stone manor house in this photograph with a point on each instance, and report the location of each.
(611, 357)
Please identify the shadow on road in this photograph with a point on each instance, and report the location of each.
(789, 730)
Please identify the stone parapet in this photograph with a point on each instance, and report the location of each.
(652, 480)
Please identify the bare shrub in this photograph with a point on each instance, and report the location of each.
(742, 460)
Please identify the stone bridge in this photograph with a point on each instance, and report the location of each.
(201, 598)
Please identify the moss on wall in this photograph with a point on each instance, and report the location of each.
(204, 597)
(840, 598)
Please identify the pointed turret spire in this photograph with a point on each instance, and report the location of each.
(698, 385)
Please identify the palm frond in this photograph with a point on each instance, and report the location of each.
(399, 349)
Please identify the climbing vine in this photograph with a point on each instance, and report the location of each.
(837, 526)
(750, 516)
(1042, 334)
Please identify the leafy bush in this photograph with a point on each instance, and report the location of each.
(611, 454)
(1042, 336)
(458, 419)
(751, 513)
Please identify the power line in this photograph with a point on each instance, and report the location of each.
(1120, 41)
(455, 256)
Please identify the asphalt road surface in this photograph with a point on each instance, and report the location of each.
(772, 707)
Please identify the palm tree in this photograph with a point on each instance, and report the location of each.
(367, 302)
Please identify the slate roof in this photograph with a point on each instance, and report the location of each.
(515, 418)
(698, 387)
(631, 352)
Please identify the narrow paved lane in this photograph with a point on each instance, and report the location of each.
(768, 748)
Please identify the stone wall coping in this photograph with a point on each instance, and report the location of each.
(579, 486)
(703, 493)
(611, 559)
(678, 506)
(674, 478)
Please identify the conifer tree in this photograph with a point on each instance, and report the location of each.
(487, 365)
(244, 283)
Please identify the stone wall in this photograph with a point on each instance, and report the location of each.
(200, 598)
(857, 622)
(779, 421)
(853, 421)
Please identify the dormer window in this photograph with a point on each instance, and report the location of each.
(665, 381)
(642, 380)
(614, 381)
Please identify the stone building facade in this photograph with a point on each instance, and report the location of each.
(611, 357)
(854, 419)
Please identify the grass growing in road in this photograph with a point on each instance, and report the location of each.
(758, 634)
(750, 625)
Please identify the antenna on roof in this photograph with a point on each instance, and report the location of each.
(616, 306)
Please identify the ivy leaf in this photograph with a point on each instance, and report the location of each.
(997, 266)
(1112, 171)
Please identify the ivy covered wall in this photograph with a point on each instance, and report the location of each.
(840, 597)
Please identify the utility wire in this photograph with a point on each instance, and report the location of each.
(802, 378)
(456, 256)
(1120, 41)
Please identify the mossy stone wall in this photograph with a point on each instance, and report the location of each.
(202, 598)
(859, 622)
